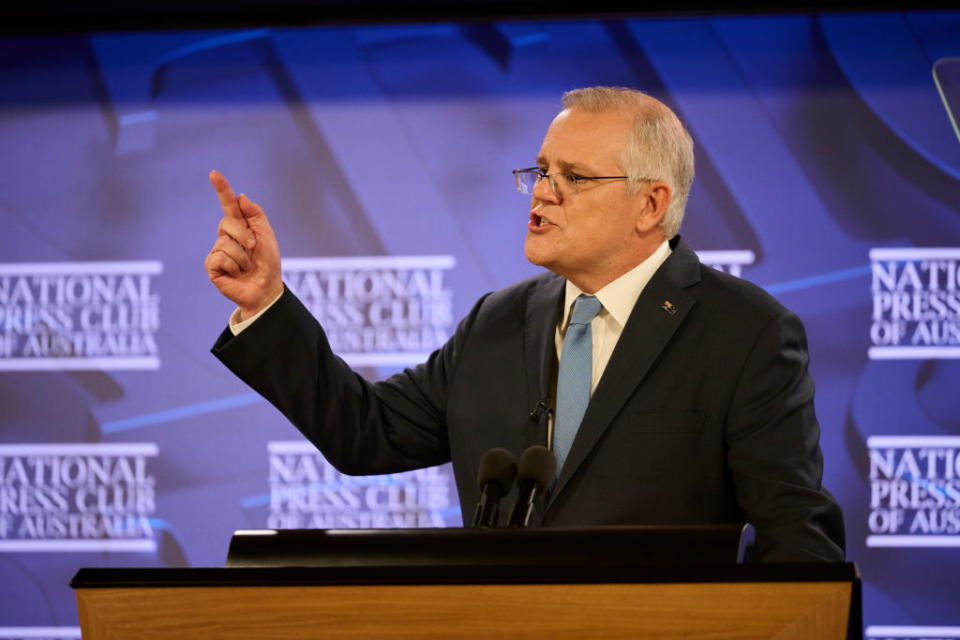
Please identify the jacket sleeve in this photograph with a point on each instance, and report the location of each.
(774, 451)
(360, 427)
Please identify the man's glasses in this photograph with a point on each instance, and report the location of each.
(527, 179)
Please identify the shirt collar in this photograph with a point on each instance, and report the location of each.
(620, 296)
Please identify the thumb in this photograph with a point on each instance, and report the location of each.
(258, 223)
(253, 214)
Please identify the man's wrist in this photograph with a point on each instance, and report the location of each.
(247, 313)
(240, 321)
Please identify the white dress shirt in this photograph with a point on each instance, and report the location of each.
(618, 299)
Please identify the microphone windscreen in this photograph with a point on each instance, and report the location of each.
(539, 465)
(498, 466)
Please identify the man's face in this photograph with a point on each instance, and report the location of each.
(590, 237)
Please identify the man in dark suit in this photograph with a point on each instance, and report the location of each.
(697, 405)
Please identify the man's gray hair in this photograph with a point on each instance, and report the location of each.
(658, 147)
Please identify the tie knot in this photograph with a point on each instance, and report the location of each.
(584, 309)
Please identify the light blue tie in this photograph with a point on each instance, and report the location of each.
(573, 379)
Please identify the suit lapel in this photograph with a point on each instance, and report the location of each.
(544, 307)
(658, 313)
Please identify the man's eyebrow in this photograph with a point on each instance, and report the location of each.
(563, 165)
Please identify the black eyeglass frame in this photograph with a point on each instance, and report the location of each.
(572, 178)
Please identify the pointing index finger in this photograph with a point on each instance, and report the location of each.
(228, 200)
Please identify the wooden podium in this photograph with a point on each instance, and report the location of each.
(476, 594)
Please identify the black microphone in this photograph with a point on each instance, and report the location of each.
(498, 468)
(538, 468)
(542, 407)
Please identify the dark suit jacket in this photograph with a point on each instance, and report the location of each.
(704, 413)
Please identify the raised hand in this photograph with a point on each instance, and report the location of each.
(244, 263)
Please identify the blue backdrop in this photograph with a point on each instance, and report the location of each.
(828, 171)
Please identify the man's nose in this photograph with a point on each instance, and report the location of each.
(544, 191)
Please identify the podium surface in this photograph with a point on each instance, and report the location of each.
(512, 598)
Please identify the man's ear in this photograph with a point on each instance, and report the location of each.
(654, 199)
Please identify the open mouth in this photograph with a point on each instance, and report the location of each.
(536, 219)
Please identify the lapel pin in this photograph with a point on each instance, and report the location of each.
(669, 307)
